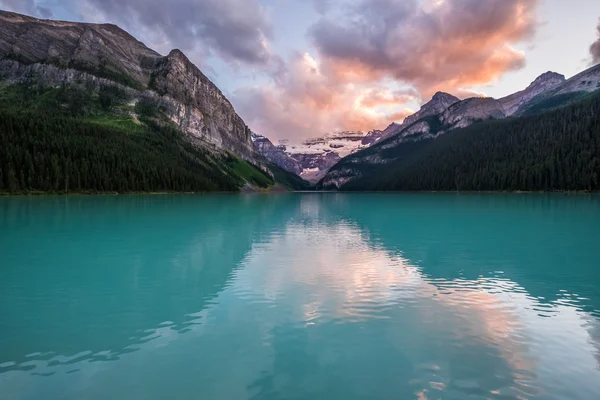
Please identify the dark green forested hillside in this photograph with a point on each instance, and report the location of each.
(71, 139)
(554, 151)
(288, 179)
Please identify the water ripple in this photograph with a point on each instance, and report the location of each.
(313, 297)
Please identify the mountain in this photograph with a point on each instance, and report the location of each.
(437, 105)
(469, 111)
(374, 135)
(276, 154)
(429, 125)
(558, 94)
(82, 76)
(58, 52)
(312, 158)
(546, 93)
(558, 150)
(541, 84)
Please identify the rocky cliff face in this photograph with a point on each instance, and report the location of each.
(199, 108)
(586, 81)
(466, 112)
(541, 84)
(276, 154)
(56, 52)
(103, 49)
(377, 135)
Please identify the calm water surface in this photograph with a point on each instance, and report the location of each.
(315, 296)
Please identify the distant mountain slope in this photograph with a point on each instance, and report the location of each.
(317, 155)
(558, 150)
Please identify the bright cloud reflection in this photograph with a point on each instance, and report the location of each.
(332, 274)
(315, 306)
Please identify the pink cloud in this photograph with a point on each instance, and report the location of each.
(365, 45)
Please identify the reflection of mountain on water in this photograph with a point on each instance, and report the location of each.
(328, 296)
(131, 263)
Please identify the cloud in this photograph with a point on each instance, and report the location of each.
(306, 101)
(377, 97)
(366, 47)
(371, 61)
(237, 31)
(29, 7)
(595, 48)
(432, 45)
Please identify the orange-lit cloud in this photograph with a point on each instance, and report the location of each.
(368, 48)
(440, 45)
(308, 101)
(377, 97)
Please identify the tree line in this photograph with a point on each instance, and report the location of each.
(41, 152)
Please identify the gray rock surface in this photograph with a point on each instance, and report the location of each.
(466, 112)
(95, 47)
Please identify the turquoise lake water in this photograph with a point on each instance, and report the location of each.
(300, 296)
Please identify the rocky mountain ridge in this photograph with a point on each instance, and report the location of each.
(541, 84)
(437, 105)
(584, 82)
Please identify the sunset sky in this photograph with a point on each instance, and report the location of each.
(299, 68)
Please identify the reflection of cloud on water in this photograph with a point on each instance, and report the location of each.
(299, 287)
(332, 267)
(330, 273)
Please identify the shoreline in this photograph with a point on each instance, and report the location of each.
(278, 191)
